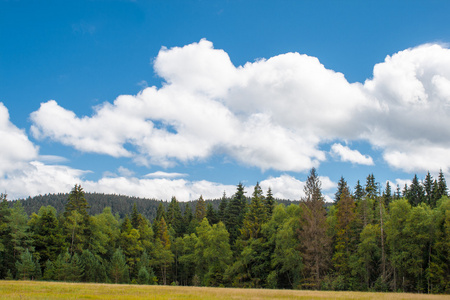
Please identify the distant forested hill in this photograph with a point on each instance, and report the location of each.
(121, 205)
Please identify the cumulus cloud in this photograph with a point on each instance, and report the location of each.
(15, 147)
(349, 155)
(288, 187)
(37, 178)
(272, 113)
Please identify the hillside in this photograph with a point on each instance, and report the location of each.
(120, 204)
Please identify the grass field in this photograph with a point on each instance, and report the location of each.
(58, 290)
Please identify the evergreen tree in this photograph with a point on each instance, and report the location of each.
(346, 239)
(160, 214)
(223, 208)
(211, 214)
(76, 269)
(314, 241)
(188, 218)
(415, 193)
(49, 271)
(200, 209)
(77, 202)
(371, 189)
(137, 219)
(174, 217)
(442, 186)
(18, 229)
(387, 194)
(47, 235)
(235, 213)
(359, 192)
(25, 266)
(63, 266)
(269, 203)
(163, 257)
(342, 185)
(6, 258)
(255, 217)
(94, 269)
(428, 189)
(76, 220)
(118, 269)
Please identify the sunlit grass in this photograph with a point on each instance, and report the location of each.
(60, 290)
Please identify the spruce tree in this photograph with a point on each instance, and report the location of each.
(359, 191)
(174, 217)
(25, 266)
(342, 185)
(211, 214)
(415, 193)
(118, 269)
(200, 209)
(387, 194)
(269, 203)
(428, 189)
(235, 213)
(223, 208)
(315, 244)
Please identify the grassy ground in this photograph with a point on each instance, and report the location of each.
(58, 290)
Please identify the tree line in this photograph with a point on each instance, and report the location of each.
(371, 238)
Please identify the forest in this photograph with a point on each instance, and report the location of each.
(372, 238)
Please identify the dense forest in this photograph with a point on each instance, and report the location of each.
(371, 238)
(119, 204)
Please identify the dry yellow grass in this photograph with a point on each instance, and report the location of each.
(59, 290)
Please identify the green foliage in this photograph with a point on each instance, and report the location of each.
(47, 234)
(25, 266)
(118, 268)
(379, 242)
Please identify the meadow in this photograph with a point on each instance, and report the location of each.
(61, 290)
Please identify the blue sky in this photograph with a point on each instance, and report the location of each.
(162, 98)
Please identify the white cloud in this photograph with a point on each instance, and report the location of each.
(272, 114)
(52, 159)
(15, 148)
(125, 172)
(288, 187)
(35, 178)
(349, 155)
(161, 174)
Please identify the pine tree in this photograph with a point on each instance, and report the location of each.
(223, 208)
(136, 217)
(235, 213)
(415, 193)
(269, 203)
(346, 238)
(77, 202)
(342, 185)
(47, 235)
(359, 191)
(160, 213)
(255, 217)
(442, 186)
(387, 194)
(211, 214)
(314, 241)
(18, 229)
(174, 217)
(200, 209)
(428, 189)
(76, 220)
(25, 266)
(371, 188)
(118, 268)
